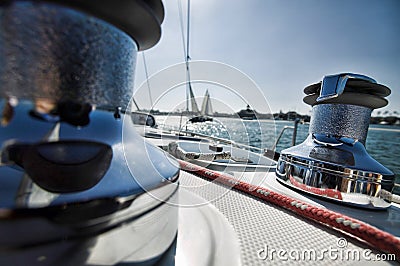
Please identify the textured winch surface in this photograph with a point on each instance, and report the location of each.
(341, 120)
(49, 51)
(260, 225)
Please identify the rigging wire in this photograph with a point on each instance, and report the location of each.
(147, 79)
(182, 30)
(137, 106)
(188, 31)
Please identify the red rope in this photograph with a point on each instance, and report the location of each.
(376, 238)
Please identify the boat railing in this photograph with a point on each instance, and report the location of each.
(271, 153)
(294, 136)
(280, 136)
(240, 145)
(221, 140)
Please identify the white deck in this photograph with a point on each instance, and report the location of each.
(264, 229)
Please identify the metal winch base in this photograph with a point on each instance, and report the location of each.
(332, 162)
(333, 182)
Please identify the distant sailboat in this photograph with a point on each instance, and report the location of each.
(206, 109)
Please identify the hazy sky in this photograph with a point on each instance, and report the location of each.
(285, 45)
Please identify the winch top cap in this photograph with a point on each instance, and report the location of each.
(140, 19)
(56, 51)
(347, 88)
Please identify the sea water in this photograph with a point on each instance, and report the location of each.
(383, 141)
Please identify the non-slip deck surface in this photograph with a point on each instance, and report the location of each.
(269, 234)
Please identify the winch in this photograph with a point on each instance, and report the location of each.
(74, 173)
(332, 162)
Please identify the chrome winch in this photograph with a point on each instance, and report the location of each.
(72, 165)
(332, 162)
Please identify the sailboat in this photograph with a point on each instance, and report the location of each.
(206, 109)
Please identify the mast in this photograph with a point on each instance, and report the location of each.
(189, 92)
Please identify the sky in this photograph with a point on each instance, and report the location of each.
(282, 46)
